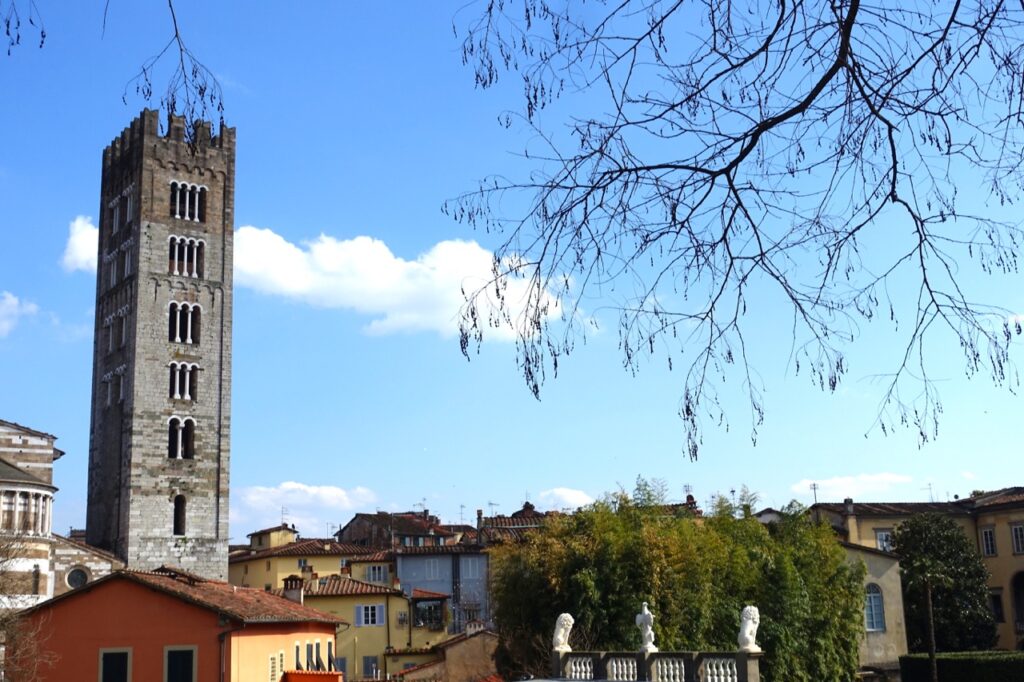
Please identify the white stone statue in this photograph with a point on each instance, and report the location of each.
(560, 642)
(749, 620)
(645, 621)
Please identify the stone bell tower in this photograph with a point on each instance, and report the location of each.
(161, 383)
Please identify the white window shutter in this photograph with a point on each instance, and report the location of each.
(380, 614)
(359, 615)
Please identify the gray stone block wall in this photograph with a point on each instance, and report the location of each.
(132, 481)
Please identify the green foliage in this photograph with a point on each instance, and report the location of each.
(933, 548)
(976, 666)
(600, 563)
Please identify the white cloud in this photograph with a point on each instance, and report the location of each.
(11, 310)
(309, 507)
(80, 250)
(363, 275)
(564, 498)
(969, 475)
(857, 487)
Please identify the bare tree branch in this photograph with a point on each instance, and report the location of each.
(751, 147)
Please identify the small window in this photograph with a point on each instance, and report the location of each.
(179, 514)
(995, 598)
(874, 610)
(377, 574)
(76, 577)
(341, 666)
(180, 664)
(1017, 531)
(115, 665)
(370, 667)
(883, 539)
(988, 541)
(369, 614)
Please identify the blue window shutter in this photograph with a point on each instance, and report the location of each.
(359, 615)
(380, 614)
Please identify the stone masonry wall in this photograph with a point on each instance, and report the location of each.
(133, 481)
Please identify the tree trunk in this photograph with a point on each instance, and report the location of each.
(931, 631)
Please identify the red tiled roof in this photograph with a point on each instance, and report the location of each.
(417, 593)
(243, 604)
(440, 549)
(404, 523)
(340, 586)
(371, 556)
(309, 547)
(283, 526)
(893, 508)
(414, 668)
(996, 497)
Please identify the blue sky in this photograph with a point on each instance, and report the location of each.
(355, 123)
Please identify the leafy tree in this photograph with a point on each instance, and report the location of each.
(937, 560)
(602, 562)
(807, 154)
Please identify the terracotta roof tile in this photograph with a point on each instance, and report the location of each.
(309, 547)
(243, 604)
(372, 556)
(893, 508)
(440, 549)
(283, 526)
(340, 586)
(417, 593)
(997, 497)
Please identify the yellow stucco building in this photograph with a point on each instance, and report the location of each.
(387, 631)
(993, 521)
(275, 553)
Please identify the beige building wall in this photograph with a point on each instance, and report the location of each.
(1003, 566)
(883, 648)
(264, 653)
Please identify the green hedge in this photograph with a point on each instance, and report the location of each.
(966, 666)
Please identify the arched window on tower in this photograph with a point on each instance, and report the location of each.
(183, 381)
(179, 514)
(181, 437)
(188, 201)
(183, 322)
(185, 256)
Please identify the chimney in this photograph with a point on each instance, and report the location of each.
(479, 519)
(849, 505)
(293, 588)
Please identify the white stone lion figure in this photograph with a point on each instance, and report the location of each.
(560, 642)
(750, 617)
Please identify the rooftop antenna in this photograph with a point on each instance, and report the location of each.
(732, 494)
(284, 515)
(931, 497)
(462, 508)
(422, 504)
(688, 489)
(492, 505)
(814, 489)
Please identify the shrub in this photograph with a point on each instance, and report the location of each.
(965, 666)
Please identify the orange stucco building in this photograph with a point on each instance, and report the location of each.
(172, 626)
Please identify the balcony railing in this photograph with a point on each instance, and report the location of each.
(667, 666)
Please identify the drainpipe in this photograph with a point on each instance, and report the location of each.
(387, 629)
(221, 639)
